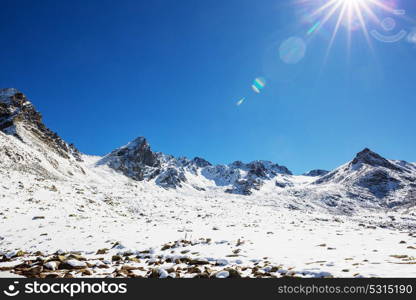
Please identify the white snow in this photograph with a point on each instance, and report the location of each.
(291, 228)
(76, 263)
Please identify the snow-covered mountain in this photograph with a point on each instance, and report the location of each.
(372, 178)
(369, 180)
(137, 161)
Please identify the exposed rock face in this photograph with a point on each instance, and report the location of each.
(245, 186)
(251, 176)
(379, 182)
(171, 177)
(316, 173)
(19, 117)
(135, 160)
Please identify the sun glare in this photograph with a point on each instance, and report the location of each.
(351, 14)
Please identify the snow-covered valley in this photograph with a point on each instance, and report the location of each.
(139, 213)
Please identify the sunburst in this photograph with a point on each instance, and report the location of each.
(348, 12)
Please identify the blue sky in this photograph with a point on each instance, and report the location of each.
(104, 72)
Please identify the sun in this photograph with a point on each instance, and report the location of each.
(352, 14)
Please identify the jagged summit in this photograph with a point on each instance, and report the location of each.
(14, 107)
(135, 160)
(6, 95)
(371, 158)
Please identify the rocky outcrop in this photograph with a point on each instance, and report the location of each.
(19, 117)
(135, 160)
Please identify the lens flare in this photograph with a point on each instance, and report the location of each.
(292, 50)
(258, 85)
(313, 28)
(241, 101)
(411, 38)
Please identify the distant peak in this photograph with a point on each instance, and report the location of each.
(137, 143)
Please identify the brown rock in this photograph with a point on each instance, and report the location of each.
(102, 251)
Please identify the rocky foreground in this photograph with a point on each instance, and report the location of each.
(141, 264)
(173, 260)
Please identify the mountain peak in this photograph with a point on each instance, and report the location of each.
(139, 142)
(15, 107)
(18, 117)
(132, 159)
(6, 95)
(12, 98)
(368, 157)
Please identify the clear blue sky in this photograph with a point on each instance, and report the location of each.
(104, 72)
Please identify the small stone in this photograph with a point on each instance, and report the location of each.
(135, 259)
(198, 262)
(116, 258)
(102, 251)
(51, 265)
(233, 273)
(34, 271)
(73, 264)
(86, 272)
(20, 253)
(222, 274)
(50, 275)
